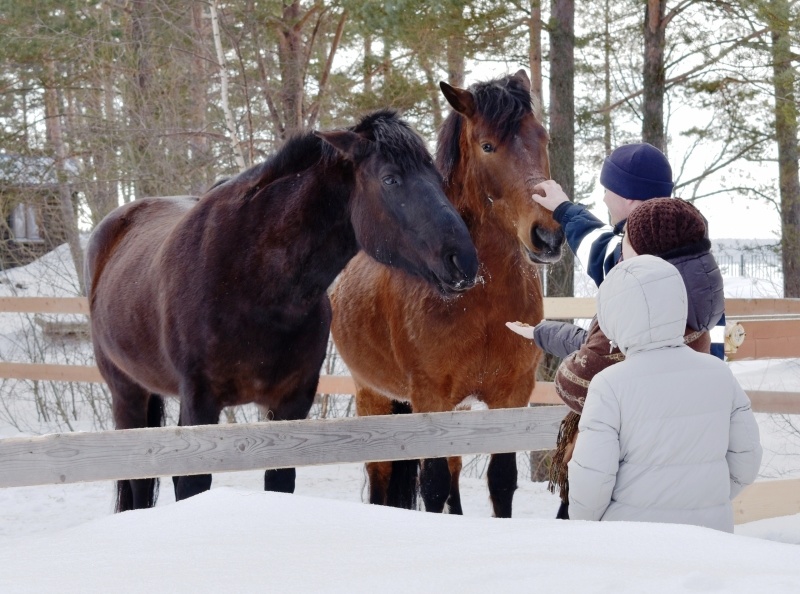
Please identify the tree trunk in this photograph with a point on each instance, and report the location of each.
(291, 56)
(607, 49)
(560, 280)
(368, 65)
(230, 123)
(433, 92)
(654, 74)
(56, 140)
(454, 50)
(200, 151)
(140, 100)
(535, 54)
(455, 61)
(786, 130)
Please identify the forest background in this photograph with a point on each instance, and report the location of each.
(130, 98)
(103, 102)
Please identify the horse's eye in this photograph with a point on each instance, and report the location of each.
(487, 148)
(390, 180)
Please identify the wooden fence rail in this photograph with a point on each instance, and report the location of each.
(544, 393)
(772, 326)
(555, 308)
(167, 451)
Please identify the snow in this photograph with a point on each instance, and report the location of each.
(325, 538)
(236, 538)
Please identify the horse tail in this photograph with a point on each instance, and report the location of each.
(147, 489)
(403, 486)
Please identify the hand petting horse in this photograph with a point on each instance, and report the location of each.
(221, 300)
(406, 344)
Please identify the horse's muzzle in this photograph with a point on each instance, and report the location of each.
(461, 271)
(547, 245)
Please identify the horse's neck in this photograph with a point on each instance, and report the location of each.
(298, 230)
(488, 231)
(503, 264)
(318, 220)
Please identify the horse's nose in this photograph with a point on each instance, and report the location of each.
(547, 240)
(463, 266)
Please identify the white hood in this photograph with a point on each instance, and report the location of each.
(642, 305)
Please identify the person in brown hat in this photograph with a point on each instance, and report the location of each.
(673, 230)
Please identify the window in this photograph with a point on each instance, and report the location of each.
(23, 224)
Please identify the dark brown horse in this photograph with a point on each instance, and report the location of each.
(222, 300)
(406, 344)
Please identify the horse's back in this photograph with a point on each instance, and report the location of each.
(143, 221)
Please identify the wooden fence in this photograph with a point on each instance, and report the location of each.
(167, 451)
(772, 327)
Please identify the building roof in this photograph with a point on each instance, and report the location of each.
(26, 171)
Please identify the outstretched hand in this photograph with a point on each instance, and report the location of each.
(549, 194)
(522, 329)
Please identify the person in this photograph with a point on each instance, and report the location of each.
(672, 229)
(667, 434)
(631, 175)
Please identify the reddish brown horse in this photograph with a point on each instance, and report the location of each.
(222, 300)
(405, 344)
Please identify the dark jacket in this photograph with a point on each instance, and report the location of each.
(597, 245)
(704, 286)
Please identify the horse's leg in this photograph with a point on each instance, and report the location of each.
(403, 486)
(292, 408)
(390, 483)
(198, 407)
(502, 477)
(434, 483)
(454, 499)
(132, 407)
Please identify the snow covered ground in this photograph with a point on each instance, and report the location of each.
(235, 538)
(324, 538)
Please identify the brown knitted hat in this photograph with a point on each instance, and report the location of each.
(661, 225)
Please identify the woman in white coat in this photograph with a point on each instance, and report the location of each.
(667, 435)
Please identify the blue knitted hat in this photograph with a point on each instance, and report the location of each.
(637, 172)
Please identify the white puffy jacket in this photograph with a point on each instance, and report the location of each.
(667, 435)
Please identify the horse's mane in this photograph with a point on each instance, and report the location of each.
(297, 154)
(502, 102)
(395, 139)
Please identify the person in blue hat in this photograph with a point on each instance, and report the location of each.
(630, 175)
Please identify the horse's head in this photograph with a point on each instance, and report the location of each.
(400, 214)
(504, 145)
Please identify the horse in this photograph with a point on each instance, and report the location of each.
(407, 347)
(222, 300)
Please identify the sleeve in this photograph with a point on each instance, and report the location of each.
(595, 461)
(594, 243)
(744, 445)
(717, 334)
(558, 338)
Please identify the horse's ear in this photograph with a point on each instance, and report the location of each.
(351, 145)
(460, 99)
(523, 77)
